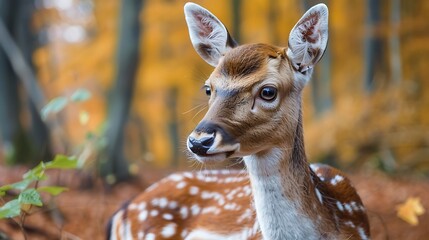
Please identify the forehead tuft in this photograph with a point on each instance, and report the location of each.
(247, 59)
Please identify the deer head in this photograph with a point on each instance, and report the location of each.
(254, 112)
(255, 89)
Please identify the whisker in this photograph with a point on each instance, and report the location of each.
(192, 109)
(202, 109)
(235, 162)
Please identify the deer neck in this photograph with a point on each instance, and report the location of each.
(283, 189)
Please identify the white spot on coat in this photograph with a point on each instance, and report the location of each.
(172, 204)
(340, 206)
(181, 185)
(362, 233)
(354, 206)
(319, 195)
(141, 206)
(194, 190)
(154, 213)
(337, 179)
(348, 207)
(350, 224)
(176, 177)
(140, 235)
(167, 216)
(184, 233)
(143, 216)
(314, 167)
(155, 202)
(188, 175)
(212, 209)
(169, 230)
(184, 212)
(163, 202)
(195, 209)
(150, 236)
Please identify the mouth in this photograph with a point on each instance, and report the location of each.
(209, 148)
(211, 158)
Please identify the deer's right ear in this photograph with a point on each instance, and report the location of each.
(308, 39)
(208, 35)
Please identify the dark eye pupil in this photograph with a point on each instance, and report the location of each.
(268, 93)
(208, 91)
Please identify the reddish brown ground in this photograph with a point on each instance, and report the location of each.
(84, 213)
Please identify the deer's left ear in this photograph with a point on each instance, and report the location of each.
(308, 39)
(209, 36)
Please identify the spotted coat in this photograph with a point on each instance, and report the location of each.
(217, 204)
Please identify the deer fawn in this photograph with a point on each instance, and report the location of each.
(255, 114)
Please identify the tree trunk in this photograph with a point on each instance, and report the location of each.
(26, 40)
(394, 42)
(373, 44)
(10, 126)
(172, 125)
(114, 166)
(236, 20)
(17, 45)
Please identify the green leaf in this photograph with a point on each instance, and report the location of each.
(30, 196)
(80, 95)
(89, 135)
(30, 175)
(5, 188)
(21, 185)
(62, 162)
(37, 173)
(53, 190)
(54, 106)
(10, 209)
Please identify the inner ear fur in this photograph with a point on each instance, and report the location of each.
(308, 38)
(209, 36)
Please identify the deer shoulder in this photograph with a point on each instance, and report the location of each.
(188, 205)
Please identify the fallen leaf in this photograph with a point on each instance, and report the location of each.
(410, 210)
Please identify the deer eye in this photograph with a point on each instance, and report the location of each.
(208, 90)
(268, 93)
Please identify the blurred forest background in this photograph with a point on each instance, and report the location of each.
(366, 106)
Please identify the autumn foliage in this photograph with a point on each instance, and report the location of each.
(384, 127)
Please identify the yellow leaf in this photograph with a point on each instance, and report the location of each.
(410, 210)
(83, 118)
(133, 169)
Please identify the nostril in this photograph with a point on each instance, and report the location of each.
(192, 141)
(207, 142)
(200, 146)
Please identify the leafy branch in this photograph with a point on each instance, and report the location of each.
(29, 190)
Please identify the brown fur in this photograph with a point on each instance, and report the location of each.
(232, 112)
(236, 83)
(343, 192)
(247, 59)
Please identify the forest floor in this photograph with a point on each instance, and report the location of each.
(83, 213)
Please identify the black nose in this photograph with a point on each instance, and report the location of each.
(200, 146)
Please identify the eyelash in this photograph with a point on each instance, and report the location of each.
(207, 90)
